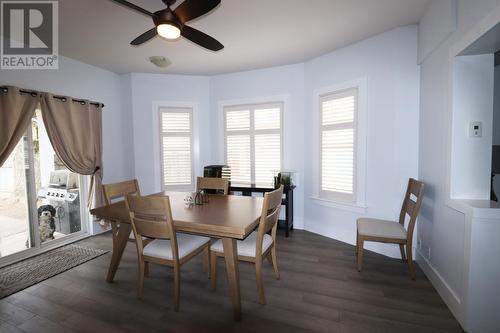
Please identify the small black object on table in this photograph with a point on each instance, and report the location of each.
(287, 201)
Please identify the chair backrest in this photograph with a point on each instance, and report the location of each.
(151, 217)
(269, 217)
(411, 205)
(120, 190)
(210, 183)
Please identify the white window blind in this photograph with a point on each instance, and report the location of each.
(253, 142)
(338, 145)
(176, 148)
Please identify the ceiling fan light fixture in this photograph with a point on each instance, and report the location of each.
(171, 24)
(168, 30)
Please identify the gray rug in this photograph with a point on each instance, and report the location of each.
(28, 272)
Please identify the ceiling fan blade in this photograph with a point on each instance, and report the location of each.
(144, 37)
(134, 7)
(191, 9)
(200, 38)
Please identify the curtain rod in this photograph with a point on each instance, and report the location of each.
(62, 98)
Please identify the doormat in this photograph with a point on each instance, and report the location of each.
(26, 273)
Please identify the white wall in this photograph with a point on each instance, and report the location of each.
(267, 85)
(441, 228)
(79, 80)
(388, 62)
(473, 79)
(148, 89)
(438, 24)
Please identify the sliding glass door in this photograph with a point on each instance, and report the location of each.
(14, 213)
(41, 201)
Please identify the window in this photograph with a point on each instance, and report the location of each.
(176, 148)
(338, 145)
(253, 142)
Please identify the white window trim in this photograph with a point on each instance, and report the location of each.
(162, 135)
(284, 100)
(195, 140)
(338, 196)
(361, 134)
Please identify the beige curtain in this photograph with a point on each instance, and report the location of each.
(75, 131)
(16, 111)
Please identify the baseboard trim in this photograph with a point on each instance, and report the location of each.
(298, 224)
(448, 295)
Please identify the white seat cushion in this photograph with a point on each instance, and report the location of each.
(380, 228)
(246, 247)
(186, 244)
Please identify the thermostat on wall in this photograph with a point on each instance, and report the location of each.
(475, 129)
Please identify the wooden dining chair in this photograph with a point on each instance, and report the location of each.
(119, 191)
(375, 230)
(152, 218)
(216, 186)
(258, 245)
(208, 183)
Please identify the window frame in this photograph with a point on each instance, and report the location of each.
(176, 109)
(334, 195)
(359, 204)
(252, 132)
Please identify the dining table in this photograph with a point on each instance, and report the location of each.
(228, 217)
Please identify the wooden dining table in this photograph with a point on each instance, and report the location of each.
(228, 217)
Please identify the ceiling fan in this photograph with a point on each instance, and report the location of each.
(171, 24)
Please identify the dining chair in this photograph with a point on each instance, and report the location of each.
(376, 230)
(258, 245)
(215, 186)
(151, 217)
(210, 183)
(120, 190)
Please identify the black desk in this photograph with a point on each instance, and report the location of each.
(287, 201)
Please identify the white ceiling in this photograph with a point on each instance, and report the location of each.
(255, 33)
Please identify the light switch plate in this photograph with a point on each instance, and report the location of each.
(475, 129)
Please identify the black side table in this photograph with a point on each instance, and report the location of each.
(287, 201)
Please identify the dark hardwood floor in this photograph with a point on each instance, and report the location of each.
(320, 291)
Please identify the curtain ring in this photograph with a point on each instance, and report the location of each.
(64, 99)
(82, 103)
(5, 90)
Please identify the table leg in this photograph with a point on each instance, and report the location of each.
(119, 244)
(287, 213)
(233, 275)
